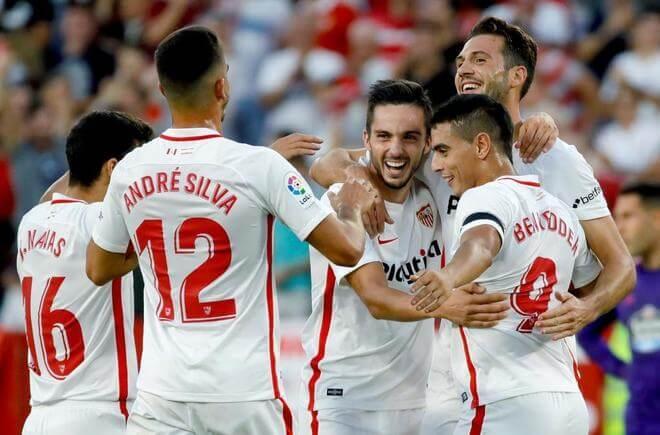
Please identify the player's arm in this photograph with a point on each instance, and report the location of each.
(478, 247)
(296, 145)
(382, 301)
(337, 166)
(59, 186)
(616, 280)
(340, 165)
(592, 341)
(340, 237)
(465, 306)
(104, 266)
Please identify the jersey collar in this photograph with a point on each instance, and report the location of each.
(59, 198)
(189, 134)
(527, 180)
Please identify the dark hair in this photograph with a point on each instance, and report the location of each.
(397, 92)
(99, 137)
(519, 48)
(184, 57)
(471, 114)
(648, 192)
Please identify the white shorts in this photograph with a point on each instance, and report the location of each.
(358, 421)
(152, 414)
(72, 417)
(443, 405)
(549, 413)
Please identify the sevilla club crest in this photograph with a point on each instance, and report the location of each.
(425, 216)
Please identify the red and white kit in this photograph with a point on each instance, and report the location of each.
(543, 251)
(564, 173)
(80, 337)
(366, 375)
(199, 209)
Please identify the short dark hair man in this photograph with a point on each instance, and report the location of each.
(82, 358)
(516, 239)
(199, 209)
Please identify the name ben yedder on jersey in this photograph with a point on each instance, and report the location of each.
(545, 221)
(178, 181)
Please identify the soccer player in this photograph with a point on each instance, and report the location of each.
(82, 356)
(375, 382)
(514, 238)
(637, 214)
(199, 210)
(499, 59)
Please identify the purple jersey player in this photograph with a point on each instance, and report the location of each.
(637, 215)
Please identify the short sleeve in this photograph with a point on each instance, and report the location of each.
(111, 233)
(370, 254)
(575, 184)
(288, 196)
(587, 267)
(483, 205)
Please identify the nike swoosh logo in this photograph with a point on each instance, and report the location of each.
(383, 242)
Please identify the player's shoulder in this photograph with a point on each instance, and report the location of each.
(423, 197)
(35, 214)
(560, 155)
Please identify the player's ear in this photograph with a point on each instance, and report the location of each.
(365, 139)
(517, 76)
(427, 144)
(222, 89)
(483, 145)
(108, 167)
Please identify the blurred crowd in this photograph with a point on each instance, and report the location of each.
(305, 66)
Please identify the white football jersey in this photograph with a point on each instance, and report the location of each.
(80, 336)
(543, 251)
(354, 360)
(562, 171)
(199, 209)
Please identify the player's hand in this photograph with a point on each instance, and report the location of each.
(354, 194)
(375, 218)
(431, 289)
(537, 134)
(567, 319)
(297, 144)
(469, 306)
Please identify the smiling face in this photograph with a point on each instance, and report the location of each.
(454, 158)
(397, 141)
(481, 68)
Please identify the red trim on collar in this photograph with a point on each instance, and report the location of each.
(526, 183)
(189, 138)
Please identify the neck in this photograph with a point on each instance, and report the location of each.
(651, 258)
(209, 118)
(494, 168)
(93, 193)
(512, 104)
(387, 193)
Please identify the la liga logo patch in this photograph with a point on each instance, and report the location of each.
(294, 185)
(299, 189)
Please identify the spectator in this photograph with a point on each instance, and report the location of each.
(598, 48)
(639, 67)
(637, 215)
(296, 82)
(80, 58)
(431, 57)
(39, 161)
(630, 144)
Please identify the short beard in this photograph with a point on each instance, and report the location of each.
(497, 89)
